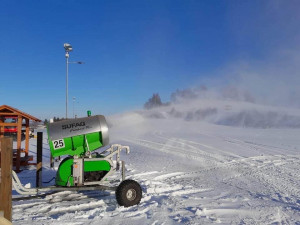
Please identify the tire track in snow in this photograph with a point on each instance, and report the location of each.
(284, 185)
(279, 181)
(185, 150)
(274, 182)
(254, 146)
(193, 143)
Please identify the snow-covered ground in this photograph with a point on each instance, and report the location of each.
(192, 171)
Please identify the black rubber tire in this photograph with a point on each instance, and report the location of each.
(129, 193)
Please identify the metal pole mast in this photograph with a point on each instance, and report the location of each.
(67, 74)
(74, 99)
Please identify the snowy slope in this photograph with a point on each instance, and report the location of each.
(192, 172)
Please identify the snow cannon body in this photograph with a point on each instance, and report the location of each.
(84, 168)
(77, 138)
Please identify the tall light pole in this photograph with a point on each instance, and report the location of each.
(68, 48)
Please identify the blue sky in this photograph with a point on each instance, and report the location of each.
(131, 49)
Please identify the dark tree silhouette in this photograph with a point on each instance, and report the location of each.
(153, 102)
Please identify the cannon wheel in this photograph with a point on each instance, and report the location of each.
(128, 193)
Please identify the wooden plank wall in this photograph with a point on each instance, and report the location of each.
(6, 177)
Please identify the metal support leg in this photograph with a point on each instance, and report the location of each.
(123, 170)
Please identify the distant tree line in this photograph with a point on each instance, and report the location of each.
(201, 92)
(55, 119)
(154, 101)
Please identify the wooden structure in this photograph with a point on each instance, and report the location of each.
(6, 178)
(22, 121)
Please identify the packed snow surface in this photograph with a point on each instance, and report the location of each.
(191, 172)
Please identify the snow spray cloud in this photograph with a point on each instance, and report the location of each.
(275, 83)
(270, 70)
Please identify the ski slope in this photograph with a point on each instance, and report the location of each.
(191, 172)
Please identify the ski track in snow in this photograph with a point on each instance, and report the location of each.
(223, 188)
(277, 176)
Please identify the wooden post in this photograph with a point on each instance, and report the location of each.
(27, 137)
(19, 132)
(39, 159)
(6, 179)
(1, 133)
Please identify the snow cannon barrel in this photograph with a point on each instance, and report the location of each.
(77, 136)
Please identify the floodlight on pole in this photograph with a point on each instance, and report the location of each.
(78, 62)
(68, 48)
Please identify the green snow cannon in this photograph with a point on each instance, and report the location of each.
(83, 168)
(77, 138)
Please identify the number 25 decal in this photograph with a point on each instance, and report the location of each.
(58, 143)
